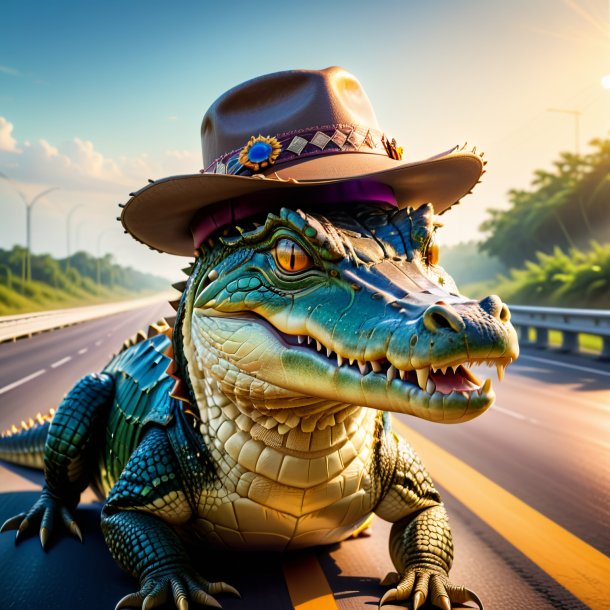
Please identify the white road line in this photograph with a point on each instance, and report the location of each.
(515, 415)
(11, 386)
(83, 351)
(60, 362)
(98, 343)
(553, 429)
(576, 367)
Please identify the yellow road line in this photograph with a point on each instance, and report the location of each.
(307, 585)
(576, 565)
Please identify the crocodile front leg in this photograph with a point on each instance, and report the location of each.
(137, 523)
(421, 546)
(71, 446)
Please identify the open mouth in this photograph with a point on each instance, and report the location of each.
(442, 378)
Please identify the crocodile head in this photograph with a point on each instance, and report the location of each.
(307, 315)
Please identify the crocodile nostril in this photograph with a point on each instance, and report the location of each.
(438, 316)
(505, 313)
(494, 306)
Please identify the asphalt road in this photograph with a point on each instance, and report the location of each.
(546, 442)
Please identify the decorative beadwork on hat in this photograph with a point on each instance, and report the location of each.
(260, 152)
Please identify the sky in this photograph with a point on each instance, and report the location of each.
(96, 98)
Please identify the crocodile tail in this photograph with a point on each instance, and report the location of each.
(25, 445)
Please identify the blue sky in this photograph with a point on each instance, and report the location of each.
(97, 97)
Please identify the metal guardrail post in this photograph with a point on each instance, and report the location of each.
(542, 337)
(569, 342)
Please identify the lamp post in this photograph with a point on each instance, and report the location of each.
(576, 114)
(27, 272)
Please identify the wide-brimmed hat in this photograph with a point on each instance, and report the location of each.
(291, 137)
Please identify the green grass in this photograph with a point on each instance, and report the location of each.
(37, 296)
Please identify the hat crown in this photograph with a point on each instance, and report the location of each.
(282, 102)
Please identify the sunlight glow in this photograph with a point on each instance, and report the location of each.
(606, 81)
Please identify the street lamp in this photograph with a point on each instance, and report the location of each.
(28, 222)
(576, 114)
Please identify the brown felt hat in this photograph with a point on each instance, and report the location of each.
(286, 137)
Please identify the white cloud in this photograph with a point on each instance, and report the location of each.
(77, 165)
(9, 70)
(7, 142)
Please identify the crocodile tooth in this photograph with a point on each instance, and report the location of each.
(486, 386)
(328, 352)
(500, 371)
(309, 340)
(402, 374)
(351, 361)
(293, 421)
(300, 339)
(283, 428)
(329, 420)
(391, 374)
(339, 360)
(270, 423)
(363, 366)
(318, 345)
(430, 387)
(422, 377)
(376, 366)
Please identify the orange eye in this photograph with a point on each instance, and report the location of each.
(433, 254)
(291, 257)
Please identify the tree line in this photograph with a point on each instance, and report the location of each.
(566, 208)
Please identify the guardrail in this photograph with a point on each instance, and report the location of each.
(571, 323)
(26, 325)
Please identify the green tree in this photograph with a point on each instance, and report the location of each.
(566, 207)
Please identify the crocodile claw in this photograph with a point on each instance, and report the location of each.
(179, 583)
(13, 523)
(46, 511)
(421, 584)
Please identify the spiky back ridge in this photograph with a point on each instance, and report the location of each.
(25, 445)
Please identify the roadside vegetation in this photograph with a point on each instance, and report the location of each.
(81, 280)
(551, 246)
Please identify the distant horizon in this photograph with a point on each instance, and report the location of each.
(98, 99)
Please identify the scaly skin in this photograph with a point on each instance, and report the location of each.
(294, 338)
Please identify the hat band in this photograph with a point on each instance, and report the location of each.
(211, 219)
(310, 142)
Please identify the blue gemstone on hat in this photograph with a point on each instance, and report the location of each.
(259, 152)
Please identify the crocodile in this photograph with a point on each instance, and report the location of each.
(260, 418)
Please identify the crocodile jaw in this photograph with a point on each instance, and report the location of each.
(249, 346)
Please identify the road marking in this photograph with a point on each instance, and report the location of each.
(307, 585)
(576, 565)
(576, 367)
(83, 351)
(515, 415)
(60, 362)
(98, 343)
(10, 386)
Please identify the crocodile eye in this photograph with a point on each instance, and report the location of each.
(291, 257)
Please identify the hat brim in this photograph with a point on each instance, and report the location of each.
(159, 215)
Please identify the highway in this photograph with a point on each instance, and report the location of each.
(531, 473)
